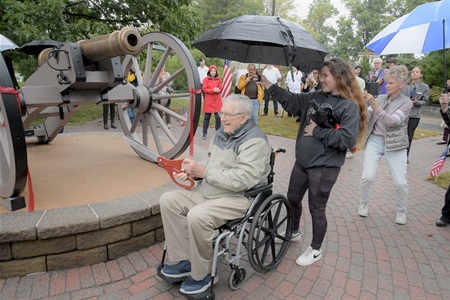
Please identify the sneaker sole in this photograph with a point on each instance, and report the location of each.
(363, 215)
(176, 276)
(203, 289)
(302, 264)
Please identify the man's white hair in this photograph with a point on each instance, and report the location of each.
(243, 104)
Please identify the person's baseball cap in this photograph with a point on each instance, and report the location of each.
(392, 60)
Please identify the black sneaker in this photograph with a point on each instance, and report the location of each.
(179, 270)
(105, 127)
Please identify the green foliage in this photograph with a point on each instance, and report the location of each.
(74, 20)
(435, 93)
(365, 63)
(319, 12)
(212, 12)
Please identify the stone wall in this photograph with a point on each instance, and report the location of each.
(78, 236)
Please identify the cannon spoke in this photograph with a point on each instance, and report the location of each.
(160, 126)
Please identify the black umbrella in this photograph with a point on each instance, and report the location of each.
(263, 39)
(36, 46)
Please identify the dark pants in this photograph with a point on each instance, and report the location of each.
(412, 125)
(445, 134)
(266, 103)
(112, 108)
(206, 122)
(446, 209)
(236, 90)
(319, 182)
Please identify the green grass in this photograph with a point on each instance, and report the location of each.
(284, 127)
(442, 180)
(86, 114)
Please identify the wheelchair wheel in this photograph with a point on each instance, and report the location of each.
(272, 218)
(237, 278)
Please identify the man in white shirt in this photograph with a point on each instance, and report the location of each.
(202, 70)
(294, 80)
(273, 75)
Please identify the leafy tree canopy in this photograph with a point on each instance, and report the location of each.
(73, 20)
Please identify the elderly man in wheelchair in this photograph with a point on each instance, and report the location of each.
(239, 159)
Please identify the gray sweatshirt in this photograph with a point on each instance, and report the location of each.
(328, 146)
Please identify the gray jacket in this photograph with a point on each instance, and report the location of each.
(236, 162)
(395, 137)
(422, 95)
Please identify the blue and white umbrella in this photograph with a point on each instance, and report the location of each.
(6, 44)
(425, 29)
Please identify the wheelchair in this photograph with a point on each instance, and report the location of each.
(269, 217)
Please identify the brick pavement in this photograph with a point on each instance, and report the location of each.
(364, 258)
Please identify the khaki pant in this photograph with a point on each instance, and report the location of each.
(189, 222)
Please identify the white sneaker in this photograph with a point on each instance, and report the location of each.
(363, 209)
(295, 237)
(168, 126)
(349, 154)
(309, 257)
(400, 218)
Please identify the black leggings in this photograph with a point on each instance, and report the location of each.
(318, 181)
(412, 125)
(206, 122)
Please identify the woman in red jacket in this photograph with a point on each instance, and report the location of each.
(212, 87)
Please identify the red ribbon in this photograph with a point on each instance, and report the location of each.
(10, 90)
(30, 193)
(191, 118)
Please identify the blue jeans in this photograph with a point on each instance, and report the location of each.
(131, 114)
(396, 161)
(255, 111)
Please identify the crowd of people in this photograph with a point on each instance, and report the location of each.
(337, 113)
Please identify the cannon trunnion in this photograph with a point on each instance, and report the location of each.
(73, 75)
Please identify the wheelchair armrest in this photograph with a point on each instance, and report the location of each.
(257, 189)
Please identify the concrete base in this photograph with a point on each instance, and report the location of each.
(86, 169)
(14, 203)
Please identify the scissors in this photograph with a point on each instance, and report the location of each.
(174, 166)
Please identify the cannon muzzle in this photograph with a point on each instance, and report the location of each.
(118, 43)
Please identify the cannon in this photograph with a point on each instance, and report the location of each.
(93, 72)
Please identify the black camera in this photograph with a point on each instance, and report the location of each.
(324, 116)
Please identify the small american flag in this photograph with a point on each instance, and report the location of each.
(439, 164)
(185, 115)
(226, 79)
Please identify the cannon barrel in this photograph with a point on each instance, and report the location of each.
(118, 43)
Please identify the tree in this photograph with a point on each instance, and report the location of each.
(347, 46)
(283, 8)
(212, 12)
(319, 12)
(369, 17)
(73, 20)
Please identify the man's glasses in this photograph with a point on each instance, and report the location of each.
(226, 116)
